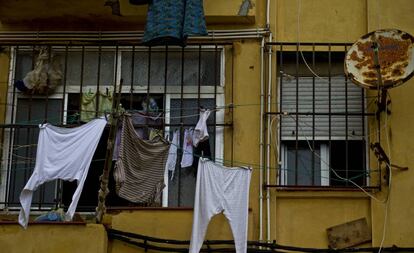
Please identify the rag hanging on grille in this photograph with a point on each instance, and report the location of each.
(45, 76)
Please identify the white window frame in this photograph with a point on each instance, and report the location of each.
(323, 158)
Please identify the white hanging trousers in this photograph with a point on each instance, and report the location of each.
(221, 189)
(62, 153)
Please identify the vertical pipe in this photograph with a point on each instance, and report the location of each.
(346, 122)
(267, 14)
(281, 172)
(269, 104)
(329, 107)
(297, 115)
(313, 117)
(261, 144)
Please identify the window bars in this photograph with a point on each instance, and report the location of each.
(321, 119)
(174, 81)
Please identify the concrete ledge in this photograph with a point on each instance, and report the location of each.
(48, 238)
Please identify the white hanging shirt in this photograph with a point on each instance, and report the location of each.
(62, 153)
(201, 131)
(172, 153)
(187, 157)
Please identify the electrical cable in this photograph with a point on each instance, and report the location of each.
(336, 174)
(389, 179)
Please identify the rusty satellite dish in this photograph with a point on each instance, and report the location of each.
(381, 59)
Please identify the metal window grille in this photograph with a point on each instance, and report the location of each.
(322, 118)
(179, 80)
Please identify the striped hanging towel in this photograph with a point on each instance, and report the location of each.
(139, 170)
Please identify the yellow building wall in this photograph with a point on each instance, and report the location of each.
(301, 218)
(396, 14)
(89, 238)
(297, 218)
(166, 224)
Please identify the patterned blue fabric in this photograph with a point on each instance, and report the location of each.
(172, 21)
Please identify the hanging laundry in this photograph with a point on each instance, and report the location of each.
(45, 76)
(172, 21)
(201, 130)
(187, 157)
(221, 189)
(139, 170)
(155, 133)
(141, 122)
(88, 105)
(62, 153)
(202, 150)
(172, 153)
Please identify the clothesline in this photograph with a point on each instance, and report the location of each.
(241, 105)
(217, 160)
(180, 148)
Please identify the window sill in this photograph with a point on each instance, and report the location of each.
(321, 192)
(45, 223)
(140, 208)
(126, 208)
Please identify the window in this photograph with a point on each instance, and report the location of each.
(322, 120)
(178, 80)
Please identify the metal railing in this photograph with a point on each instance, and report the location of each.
(192, 75)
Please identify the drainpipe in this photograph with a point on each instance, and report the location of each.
(261, 133)
(268, 126)
(268, 14)
(269, 104)
(10, 37)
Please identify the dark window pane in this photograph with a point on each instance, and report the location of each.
(305, 173)
(182, 188)
(31, 111)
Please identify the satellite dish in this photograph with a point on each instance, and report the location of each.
(381, 59)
